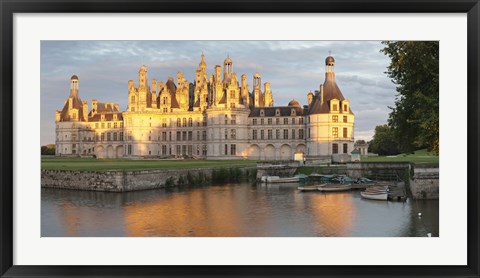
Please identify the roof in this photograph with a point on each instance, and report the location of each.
(330, 91)
(77, 104)
(108, 117)
(294, 103)
(329, 60)
(172, 88)
(74, 77)
(285, 111)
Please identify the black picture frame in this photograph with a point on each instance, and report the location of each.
(9, 7)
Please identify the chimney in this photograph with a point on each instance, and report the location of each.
(94, 107)
(85, 110)
(154, 86)
(321, 94)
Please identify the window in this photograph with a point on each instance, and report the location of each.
(226, 149)
(277, 112)
(254, 134)
(204, 135)
(121, 124)
(294, 121)
(345, 148)
(184, 136)
(345, 119)
(164, 122)
(226, 119)
(234, 120)
(198, 135)
(204, 150)
(109, 125)
(335, 131)
(277, 134)
(170, 137)
(164, 149)
(335, 148)
(345, 132)
(345, 108)
(335, 119)
(269, 134)
(300, 134)
(285, 121)
(277, 121)
(335, 107)
(226, 133)
(262, 121)
(96, 125)
(233, 149)
(103, 125)
(179, 138)
(114, 136)
(190, 122)
(293, 133)
(115, 125)
(254, 122)
(232, 94)
(262, 112)
(129, 147)
(133, 99)
(190, 136)
(184, 122)
(179, 123)
(102, 136)
(262, 134)
(121, 136)
(300, 121)
(269, 121)
(97, 137)
(285, 134)
(164, 136)
(233, 134)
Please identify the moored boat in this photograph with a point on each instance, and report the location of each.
(277, 179)
(334, 187)
(383, 196)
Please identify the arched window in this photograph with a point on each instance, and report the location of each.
(133, 98)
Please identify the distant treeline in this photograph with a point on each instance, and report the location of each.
(48, 149)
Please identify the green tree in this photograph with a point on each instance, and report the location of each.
(414, 68)
(48, 149)
(384, 142)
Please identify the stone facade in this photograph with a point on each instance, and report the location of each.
(213, 117)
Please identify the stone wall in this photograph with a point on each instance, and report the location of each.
(425, 183)
(120, 181)
(363, 169)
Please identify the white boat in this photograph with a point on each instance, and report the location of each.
(334, 187)
(277, 179)
(383, 196)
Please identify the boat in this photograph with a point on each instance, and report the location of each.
(334, 187)
(277, 179)
(383, 196)
(308, 188)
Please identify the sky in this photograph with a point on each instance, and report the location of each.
(293, 68)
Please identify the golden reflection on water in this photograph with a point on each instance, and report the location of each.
(198, 213)
(335, 211)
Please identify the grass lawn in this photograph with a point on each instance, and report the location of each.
(91, 164)
(419, 157)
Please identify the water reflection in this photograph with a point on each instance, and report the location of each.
(231, 210)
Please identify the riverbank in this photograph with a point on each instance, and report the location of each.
(124, 181)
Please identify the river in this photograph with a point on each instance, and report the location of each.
(232, 210)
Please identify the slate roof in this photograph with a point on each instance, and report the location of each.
(285, 111)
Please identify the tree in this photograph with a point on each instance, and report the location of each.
(360, 142)
(414, 68)
(383, 142)
(48, 149)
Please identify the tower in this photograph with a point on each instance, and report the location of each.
(268, 96)
(227, 70)
(74, 86)
(257, 91)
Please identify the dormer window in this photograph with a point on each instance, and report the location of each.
(102, 118)
(262, 112)
(277, 112)
(292, 112)
(335, 107)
